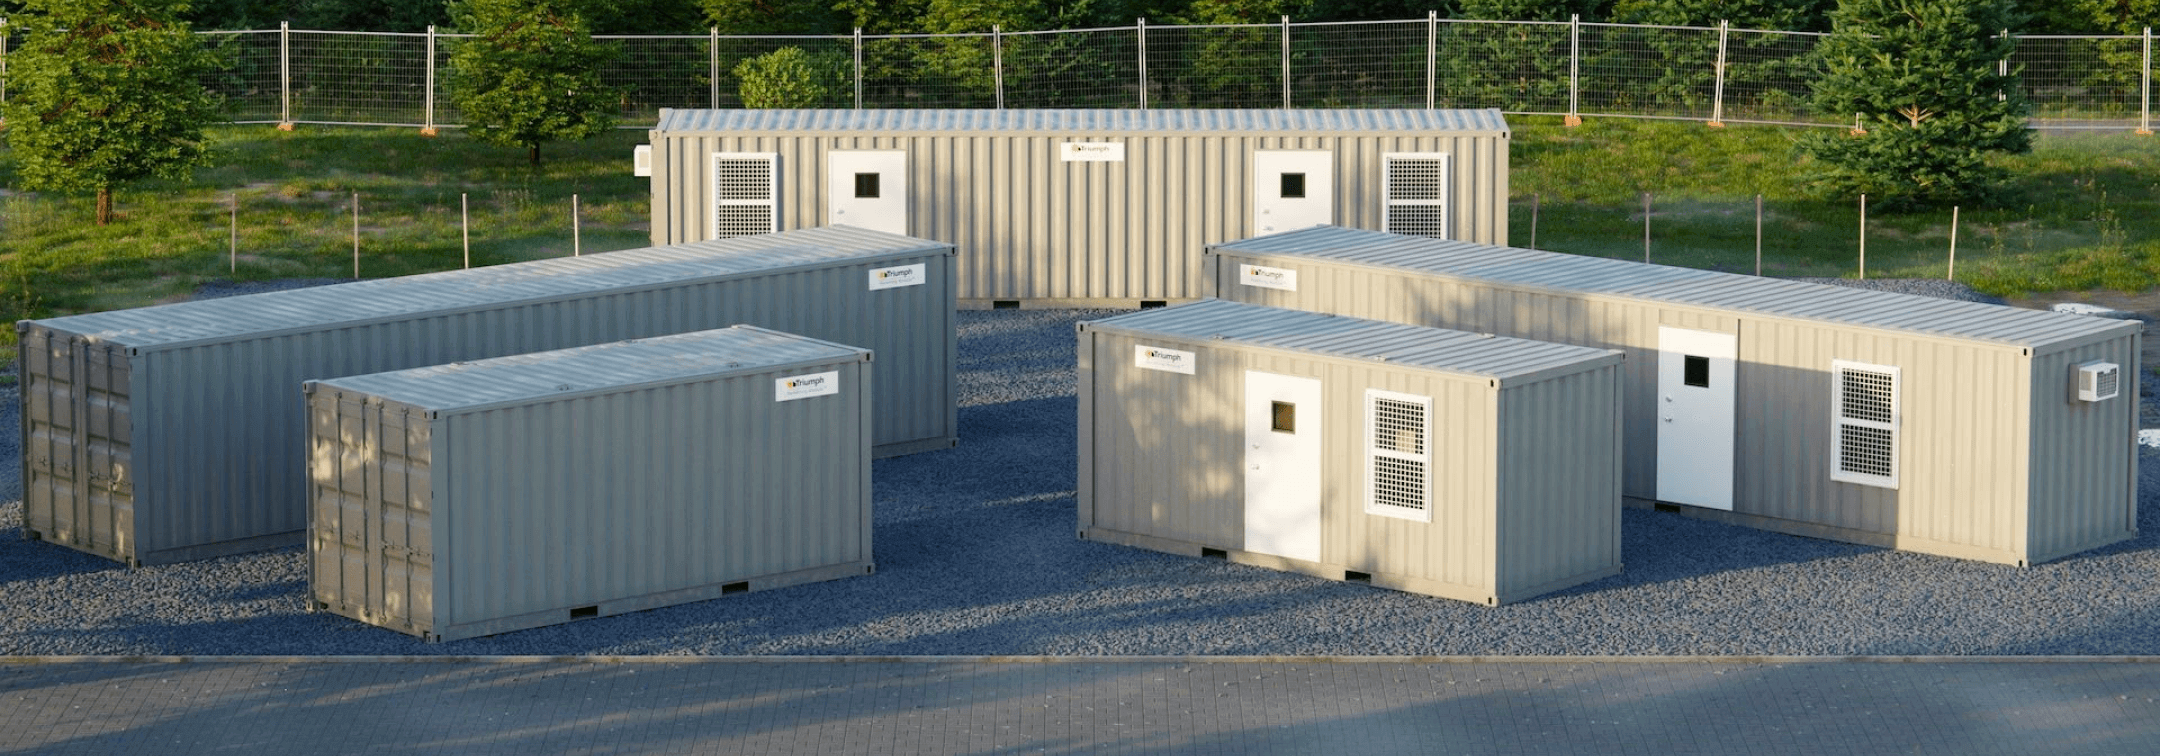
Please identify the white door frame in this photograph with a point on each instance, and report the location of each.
(887, 208)
(1282, 465)
(1695, 418)
(1313, 177)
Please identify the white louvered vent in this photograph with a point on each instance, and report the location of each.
(2098, 381)
(1417, 194)
(1865, 409)
(745, 194)
(1397, 457)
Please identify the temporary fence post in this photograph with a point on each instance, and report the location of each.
(1863, 237)
(1758, 234)
(1432, 59)
(233, 256)
(712, 50)
(1574, 70)
(1717, 96)
(1286, 61)
(465, 226)
(858, 68)
(1142, 29)
(2144, 106)
(284, 53)
(356, 236)
(1646, 227)
(577, 239)
(2002, 68)
(4, 39)
(428, 129)
(1952, 275)
(997, 61)
(1534, 201)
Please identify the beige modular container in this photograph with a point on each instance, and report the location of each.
(482, 497)
(1079, 207)
(1953, 428)
(168, 433)
(1440, 462)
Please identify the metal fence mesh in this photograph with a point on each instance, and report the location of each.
(2076, 82)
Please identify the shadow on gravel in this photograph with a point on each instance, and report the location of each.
(22, 560)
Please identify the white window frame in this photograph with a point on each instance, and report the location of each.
(1839, 421)
(1388, 201)
(772, 192)
(1374, 453)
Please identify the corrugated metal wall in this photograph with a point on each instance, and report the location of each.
(77, 442)
(511, 515)
(1032, 227)
(2080, 490)
(1958, 496)
(216, 424)
(1162, 457)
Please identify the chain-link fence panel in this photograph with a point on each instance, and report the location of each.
(249, 80)
(1092, 68)
(371, 79)
(657, 72)
(2082, 82)
(928, 71)
(1231, 66)
(1379, 64)
(1662, 71)
(1769, 75)
(1518, 67)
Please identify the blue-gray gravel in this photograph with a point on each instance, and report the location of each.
(976, 554)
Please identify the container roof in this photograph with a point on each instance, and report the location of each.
(690, 122)
(1484, 355)
(600, 368)
(267, 313)
(1597, 277)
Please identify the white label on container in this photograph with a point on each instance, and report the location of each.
(1092, 152)
(806, 386)
(893, 278)
(1268, 278)
(1166, 360)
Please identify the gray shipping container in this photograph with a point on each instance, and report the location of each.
(1080, 207)
(1954, 428)
(483, 497)
(174, 432)
(1439, 462)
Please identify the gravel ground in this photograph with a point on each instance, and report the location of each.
(976, 555)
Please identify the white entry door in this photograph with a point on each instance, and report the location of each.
(867, 189)
(1695, 417)
(1282, 465)
(1292, 189)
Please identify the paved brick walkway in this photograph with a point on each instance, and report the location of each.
(529, 707)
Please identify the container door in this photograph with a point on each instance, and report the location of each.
(867, 189)
(1293, 189)
(1282, 465)
(1695, 417)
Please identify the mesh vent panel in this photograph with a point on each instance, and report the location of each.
(1398, 482)
(1418, 220)
(1864, 451)
(1398, 426)
(743, 180)
(1414, 180)
(2107, 382)
(1867, 395)
(742, 220)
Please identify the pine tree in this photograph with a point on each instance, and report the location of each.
(1921, 78)
(531, 73)
(105, 92)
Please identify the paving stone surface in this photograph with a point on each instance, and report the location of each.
(1137, 706)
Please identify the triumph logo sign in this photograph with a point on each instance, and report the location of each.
(806, 386)
(1091, 152)
(1166, 360)
(893, 278)
(1268, 278)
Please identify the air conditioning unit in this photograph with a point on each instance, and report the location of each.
(2097, 381)
(641, 163)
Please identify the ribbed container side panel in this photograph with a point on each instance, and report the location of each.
(77, 443)
(2083, 456)
(674, 488)
(1558, 503)
(371, 540)
(1031, 226)
(1167, 447)
(1457, 547)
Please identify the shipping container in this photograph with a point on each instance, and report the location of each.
(174, 432)
(1447, 463)
(1079, 207)
(482, 497)
(1946, 427)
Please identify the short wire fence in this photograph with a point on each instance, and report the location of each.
(1569, 68)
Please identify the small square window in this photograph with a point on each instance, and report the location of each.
(1285, 414)
(866, 186)
(1293, 186)
(1697, 371)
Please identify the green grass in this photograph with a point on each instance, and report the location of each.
(2082, 213)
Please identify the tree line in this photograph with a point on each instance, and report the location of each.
(970, 16)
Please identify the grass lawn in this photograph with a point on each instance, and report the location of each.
(2082, 213)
